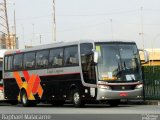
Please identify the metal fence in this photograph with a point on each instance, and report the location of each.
(152, 82)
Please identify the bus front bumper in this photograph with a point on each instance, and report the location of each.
(103, 94)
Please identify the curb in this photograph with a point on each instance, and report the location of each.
(141, 102)
(152, 102)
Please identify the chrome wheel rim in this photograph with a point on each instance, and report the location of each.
(24, 99)
(76, 98)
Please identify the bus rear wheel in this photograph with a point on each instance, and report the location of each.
(24, 100)
(77, 99)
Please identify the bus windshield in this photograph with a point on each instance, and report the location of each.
(118, 62)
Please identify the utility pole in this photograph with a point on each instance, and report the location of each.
(15, 35)
(54, 21)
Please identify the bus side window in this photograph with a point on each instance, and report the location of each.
(29, 60)
(6, 63)
(56, 57)
(71, 55)
(18, 61)
(42, 58)
(10, 63)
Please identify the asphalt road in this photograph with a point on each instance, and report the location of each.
(89, 112)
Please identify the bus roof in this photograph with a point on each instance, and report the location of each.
(61, 44)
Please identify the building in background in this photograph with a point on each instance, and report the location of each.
(2, 41)
(8, 43)
(154, 57)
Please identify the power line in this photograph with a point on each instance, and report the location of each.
(100, 14)
(54, 21)
(149, 9)
(76, 15)
(89, 15)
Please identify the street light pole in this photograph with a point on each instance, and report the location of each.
(32, 34)
(111, 28)
(40, 38)
(142, 34)
(7, 25)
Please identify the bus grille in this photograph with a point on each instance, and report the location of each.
(123, 87)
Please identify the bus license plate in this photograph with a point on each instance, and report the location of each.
(123, 94)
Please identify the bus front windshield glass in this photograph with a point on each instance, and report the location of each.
(118, 62)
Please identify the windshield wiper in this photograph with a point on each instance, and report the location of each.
(119, 71)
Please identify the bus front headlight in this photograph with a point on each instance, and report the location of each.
(104, 87)
(139, 86)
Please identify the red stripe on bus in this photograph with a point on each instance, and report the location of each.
(36, 85)
(30, 85)
(60, 74)
(26, 75)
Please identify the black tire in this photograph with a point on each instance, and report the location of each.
(24, 100)
(114, 103)
(77, 99)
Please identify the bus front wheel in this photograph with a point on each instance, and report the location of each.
(24, 99)
(77, 99)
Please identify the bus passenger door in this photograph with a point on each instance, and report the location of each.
(88, 69)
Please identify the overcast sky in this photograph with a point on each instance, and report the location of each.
(87, 19)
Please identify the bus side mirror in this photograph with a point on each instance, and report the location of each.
(95, 57)
(145, 55)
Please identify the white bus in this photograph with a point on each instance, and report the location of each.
(82, 72)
